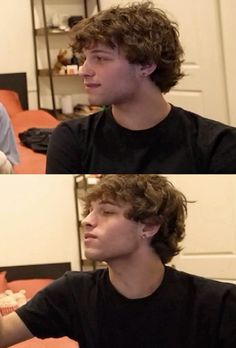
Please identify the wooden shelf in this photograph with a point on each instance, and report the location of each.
(45, 72)
(77, 114)
(51, 31)
(81, 184)
(46, 39)
(63, 117)
(88, 265)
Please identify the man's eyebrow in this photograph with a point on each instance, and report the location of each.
(107, 201)
(99, 50)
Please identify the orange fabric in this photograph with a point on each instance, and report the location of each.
(11, 101)
(3, 282)
(31, 286)
(30, 161)
(63, 342)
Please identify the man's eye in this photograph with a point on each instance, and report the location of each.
(102, 58)
(108, 212)
(99, 59)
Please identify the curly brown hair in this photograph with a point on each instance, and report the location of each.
(152, 198)
(144, 33)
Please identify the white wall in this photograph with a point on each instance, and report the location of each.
(228, 14)
(38, 223)
(16, 42)
(210, 242)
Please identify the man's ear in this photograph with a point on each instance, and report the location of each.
(147, 69)
(149, 230)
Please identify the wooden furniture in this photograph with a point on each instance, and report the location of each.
(45, 37)
(49, 270)
(16, 82)
(81, 184)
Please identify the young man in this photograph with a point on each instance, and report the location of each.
(8, 152)
(135, 224)
(130, 57)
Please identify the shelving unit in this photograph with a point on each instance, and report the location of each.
(81, 185)
(45, 36)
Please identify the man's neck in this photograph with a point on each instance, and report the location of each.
(145, 110)
(137, 279)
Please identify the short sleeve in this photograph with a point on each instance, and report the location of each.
(64, 153)
(223, 160)
(51, 312)
(227, 332)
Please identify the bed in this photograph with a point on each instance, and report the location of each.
(14, 96)
(32, 278)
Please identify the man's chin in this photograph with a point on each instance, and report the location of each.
(96, 101)
(93, 257)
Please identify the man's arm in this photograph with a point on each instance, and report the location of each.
(12, 330)
(7, 139)
(5, 165)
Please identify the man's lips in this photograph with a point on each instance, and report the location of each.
(88, 236)
(91, 85)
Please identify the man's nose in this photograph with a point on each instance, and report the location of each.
(86, 70)
(89, 221)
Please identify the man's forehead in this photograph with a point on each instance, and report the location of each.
(99, 48)
(102, 201)
(116, 202)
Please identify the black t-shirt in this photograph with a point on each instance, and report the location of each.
(183, 143)
(186, 311)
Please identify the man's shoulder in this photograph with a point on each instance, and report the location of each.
(200, 121)
(201, 285)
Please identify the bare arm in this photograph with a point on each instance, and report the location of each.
(12, 330)
(5, 164)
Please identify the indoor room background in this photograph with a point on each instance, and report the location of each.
(38, 223)
(207, 34)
